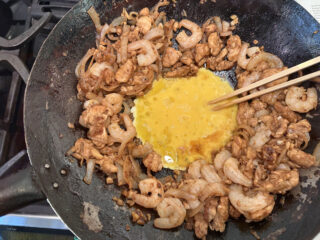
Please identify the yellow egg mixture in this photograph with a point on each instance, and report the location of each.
(176, 120)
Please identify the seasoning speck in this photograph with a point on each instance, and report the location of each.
(63, 172)
(127, 227)
(47, 166)
(55, 185)
(70, 125)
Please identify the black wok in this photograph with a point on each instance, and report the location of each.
(282, 26)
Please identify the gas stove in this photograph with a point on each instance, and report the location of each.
(24, 25)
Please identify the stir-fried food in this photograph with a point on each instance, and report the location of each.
(262, 158)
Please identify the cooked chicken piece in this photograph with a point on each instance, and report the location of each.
(107, 165)
(303, 159)
(98, 134)
(245, 112)
(233, 46)
(144, 23)
(96, 115)
(298, 130)
(124, 73)
(170, 57)
(285, 112)
(210, 209)
(215, 43)
(280, 181)
(153, 162)
(179, 72)
(200, 226)
(219, 221)
(187, 57)
(84, 149)
(202, 50)
(258, 105)
(238, 146)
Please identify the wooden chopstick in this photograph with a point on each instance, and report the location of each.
(276, 76)
(267, 90)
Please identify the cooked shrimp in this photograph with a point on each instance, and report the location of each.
(300, 100)
(255, 206)
(195, 167)
(151, 193)
(214, 189)
(232, 171)
(242, 56)
(149, 54)
(220, 158)
(113, 102)
(171, 212)
(186, 41)
(120, 135)
(191, 199)
(209, 173)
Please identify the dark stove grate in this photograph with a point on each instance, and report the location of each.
(58, 8)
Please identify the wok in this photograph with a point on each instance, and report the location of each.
(282, 26)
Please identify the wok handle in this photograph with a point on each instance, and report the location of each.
(18, 190)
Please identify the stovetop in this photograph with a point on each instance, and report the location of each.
(24, 25)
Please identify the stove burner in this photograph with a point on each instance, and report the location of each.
(5, 18)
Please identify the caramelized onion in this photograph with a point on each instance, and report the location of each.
(81, 66)
(95, 18)
(154, 33)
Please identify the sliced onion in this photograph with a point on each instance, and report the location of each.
(225, 34)
(316, 154)
(217, 21)
(273, 61)
(95, 18)
(253, 50)
(120, 176)
(261, 113)
(80, 68)
(225, 26)
(154, 33)
(118, 21)
(104, 31)
(89, 172)
(124, 43)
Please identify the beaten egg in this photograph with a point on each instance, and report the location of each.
(175, 118)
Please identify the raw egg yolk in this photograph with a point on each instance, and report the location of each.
(175, 118)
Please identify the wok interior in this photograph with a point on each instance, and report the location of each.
(272, 23)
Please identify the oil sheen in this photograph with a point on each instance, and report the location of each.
(176, 120)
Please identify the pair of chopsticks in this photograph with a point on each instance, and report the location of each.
(264, 81)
